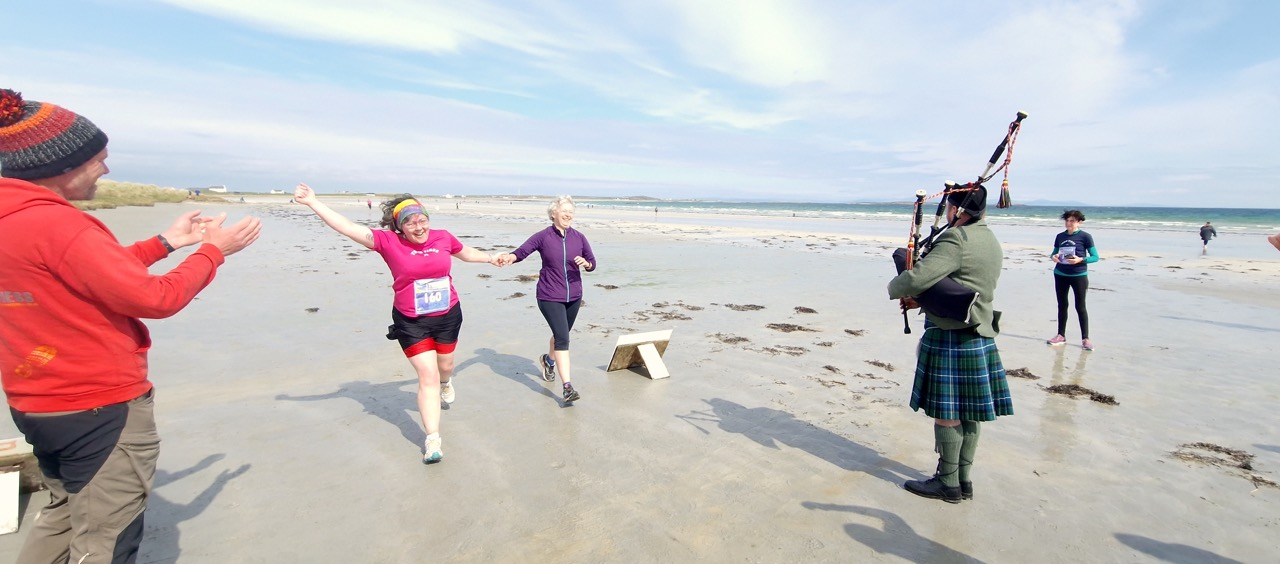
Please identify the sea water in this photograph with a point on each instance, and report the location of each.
(1225, 220)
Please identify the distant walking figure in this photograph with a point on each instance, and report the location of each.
(1207, 232)
(565, 255)
(1073, 251)
(369, 203)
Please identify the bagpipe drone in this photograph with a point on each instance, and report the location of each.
(948, 298)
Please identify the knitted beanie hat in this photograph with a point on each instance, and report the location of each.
(40, 140)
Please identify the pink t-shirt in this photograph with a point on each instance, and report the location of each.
(420, 273)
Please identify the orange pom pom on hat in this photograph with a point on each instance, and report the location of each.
(41, 140)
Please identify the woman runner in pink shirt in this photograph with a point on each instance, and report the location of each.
(426, 318)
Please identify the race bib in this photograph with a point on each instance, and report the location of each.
(431, 296)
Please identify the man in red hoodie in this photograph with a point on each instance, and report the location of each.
(73, 352)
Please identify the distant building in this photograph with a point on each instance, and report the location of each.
(277, 191)
(221, 189)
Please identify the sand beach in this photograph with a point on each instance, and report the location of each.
(783, 435)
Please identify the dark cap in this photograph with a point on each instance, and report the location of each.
(971, 199)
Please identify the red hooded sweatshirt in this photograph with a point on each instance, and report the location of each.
(70, 299)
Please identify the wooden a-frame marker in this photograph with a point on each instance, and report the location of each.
(642, 349)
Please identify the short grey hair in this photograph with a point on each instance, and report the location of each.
(558, 203)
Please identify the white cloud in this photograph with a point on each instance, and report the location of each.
(193, 127)
(772, 43)
(708, 97)
(426, 25)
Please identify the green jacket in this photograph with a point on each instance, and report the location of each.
(970, 255)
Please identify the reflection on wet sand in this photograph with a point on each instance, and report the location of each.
(1059, 413)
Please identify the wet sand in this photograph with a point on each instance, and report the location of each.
(782, 435)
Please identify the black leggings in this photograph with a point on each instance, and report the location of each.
(1079, 285)
(560, 316)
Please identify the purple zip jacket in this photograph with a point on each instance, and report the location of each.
(560, 280)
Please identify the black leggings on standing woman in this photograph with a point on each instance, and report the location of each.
(1079, 285)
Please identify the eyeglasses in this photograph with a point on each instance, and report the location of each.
(417, 222)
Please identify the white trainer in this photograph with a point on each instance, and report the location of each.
(447, 394)
(432, 453)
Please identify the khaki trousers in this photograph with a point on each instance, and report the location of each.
(99, 466)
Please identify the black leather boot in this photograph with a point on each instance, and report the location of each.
(966, 488)
(933, 489)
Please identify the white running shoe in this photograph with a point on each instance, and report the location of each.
(432, 453)
(447, 394)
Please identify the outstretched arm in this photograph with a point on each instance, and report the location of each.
(95, 267)
(528, 248)
(471, 254)
(354, 231)
(186, 230)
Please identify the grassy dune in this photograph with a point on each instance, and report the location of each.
(113, 194)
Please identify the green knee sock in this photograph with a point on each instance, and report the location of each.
(972, 429)
(948, 440)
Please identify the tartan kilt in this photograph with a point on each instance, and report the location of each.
(959, 376)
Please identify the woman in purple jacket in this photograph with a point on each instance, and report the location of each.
(565, 254)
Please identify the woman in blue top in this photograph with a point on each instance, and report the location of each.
(565, 254)
(1073, 251)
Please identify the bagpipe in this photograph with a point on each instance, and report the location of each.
(948, 298)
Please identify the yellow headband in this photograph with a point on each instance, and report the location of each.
(413, 206)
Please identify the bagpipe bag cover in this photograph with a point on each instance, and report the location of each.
(947, 298)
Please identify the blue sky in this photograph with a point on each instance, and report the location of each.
(1131, 102)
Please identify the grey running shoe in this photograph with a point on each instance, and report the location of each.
(548, 368)
(570, 394)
